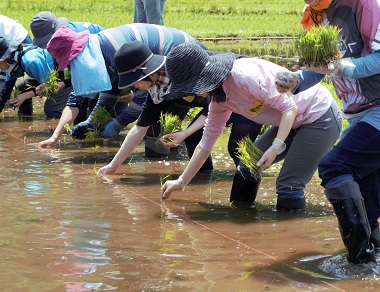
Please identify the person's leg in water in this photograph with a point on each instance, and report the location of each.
(26, 108)
(309, 143)
(369, 188)
(349, 174)
(55, 104)
(244, 186)
(152, 150)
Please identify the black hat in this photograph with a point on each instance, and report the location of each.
(43, 25)
(134, 61)
(7, 48)
(193, 71)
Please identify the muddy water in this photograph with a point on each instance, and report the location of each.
(65, 229)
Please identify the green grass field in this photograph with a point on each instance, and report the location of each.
(200, 18)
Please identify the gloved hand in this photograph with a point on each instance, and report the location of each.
(269, 156)
(79, 131)
(285, 81)
(342, 67)
(111, 129)
(171, 186)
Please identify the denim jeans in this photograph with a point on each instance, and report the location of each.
(356, 156)
(149, 11)
(110, 103)
(132, 111)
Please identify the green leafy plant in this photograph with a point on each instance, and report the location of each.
(169, 124)
(51, 85)
(68, 129)
(15, 92)
(100, 116)
(249, 155)
(163, 178)
(318, 46)
(92, 133)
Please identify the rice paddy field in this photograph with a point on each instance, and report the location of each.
(66, 229)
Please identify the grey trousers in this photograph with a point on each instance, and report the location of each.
(305, 146)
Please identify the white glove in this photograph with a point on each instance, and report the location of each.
(285, 81)
(343, 67)
(171, 186)
(269, 156)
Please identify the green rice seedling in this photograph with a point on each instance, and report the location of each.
(15, 92)
(101, 116)
(51, 85)
(92, 133)
(169, 124)
(249, 155)
(163, 178)
(68, 129)
(318, 46)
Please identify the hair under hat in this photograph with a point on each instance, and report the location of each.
(7, 48)
(43, 25)
(66, 44)
(193, 71)
(134, 61)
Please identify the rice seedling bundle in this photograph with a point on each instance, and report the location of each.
(50, 85)
(318, 46)
(169, 124)
(249, 155)
(15, 92)
(100, 116)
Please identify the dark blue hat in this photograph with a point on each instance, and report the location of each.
(193, 71)
(134, 61)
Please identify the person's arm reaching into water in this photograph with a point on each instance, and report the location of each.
(133, 138)
(196, 162)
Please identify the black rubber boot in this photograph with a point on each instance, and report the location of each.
(375, 238)
(207, 166)
(154, 149)
(291, 204)
(244, 188)
(26, 108)
(354, 228)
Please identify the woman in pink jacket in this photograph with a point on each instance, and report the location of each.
(304, 126)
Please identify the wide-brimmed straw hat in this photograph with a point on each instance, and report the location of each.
(134, 61)
(193, 71)
(7, 48)
(43, 25)
(66, 44)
